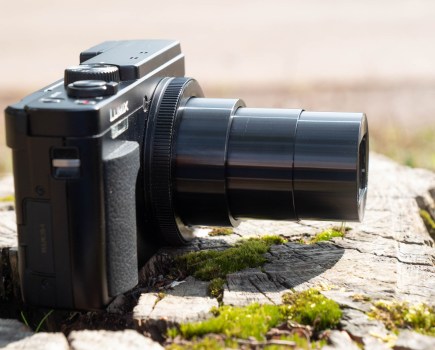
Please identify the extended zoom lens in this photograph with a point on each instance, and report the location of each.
(214, 162)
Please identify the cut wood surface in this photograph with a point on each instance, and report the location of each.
(390, 255)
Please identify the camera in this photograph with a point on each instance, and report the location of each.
(125, 154)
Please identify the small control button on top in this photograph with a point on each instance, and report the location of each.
(51, 100)
(85, 102)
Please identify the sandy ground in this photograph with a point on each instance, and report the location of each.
(372, 56)
(290, 42)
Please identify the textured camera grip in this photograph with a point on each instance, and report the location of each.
(120, 175)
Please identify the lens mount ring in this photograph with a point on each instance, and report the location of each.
(161, 149)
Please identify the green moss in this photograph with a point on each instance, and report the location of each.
(241, 322)
(254, 321)
(210, 264)
(428, 221)
(221, 231)
(327, 235)
(271, 240)
(312, 308)
(216, 288)
(9, 198)
(172, 333)
(395, 315)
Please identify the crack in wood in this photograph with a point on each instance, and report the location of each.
(392, 238)
(384, 255)
(259, 289)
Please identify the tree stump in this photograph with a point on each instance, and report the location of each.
(390, 256)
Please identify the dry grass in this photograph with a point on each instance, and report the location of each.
(415, 149)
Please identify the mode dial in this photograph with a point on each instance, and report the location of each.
(100, 72)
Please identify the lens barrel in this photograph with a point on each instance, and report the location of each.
(228, 162)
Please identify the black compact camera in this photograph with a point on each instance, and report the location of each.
(125, 154)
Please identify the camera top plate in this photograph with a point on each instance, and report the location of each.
(141, 63)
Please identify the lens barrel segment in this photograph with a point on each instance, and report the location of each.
(221, 162)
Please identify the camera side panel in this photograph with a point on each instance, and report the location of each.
(43, 243)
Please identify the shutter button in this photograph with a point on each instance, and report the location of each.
(92, 88)
(89, 84)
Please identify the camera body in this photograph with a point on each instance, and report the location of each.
(76, 167)
(125, 154)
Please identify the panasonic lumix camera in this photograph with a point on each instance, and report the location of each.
(125, 154)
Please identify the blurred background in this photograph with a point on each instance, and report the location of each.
(374, 56)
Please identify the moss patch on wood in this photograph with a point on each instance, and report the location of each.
(310, 307)
(221, 231)
(396, 315)
(210, 264)
(237, 326)
(327, 235)
(231, 324)
(240, 322)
